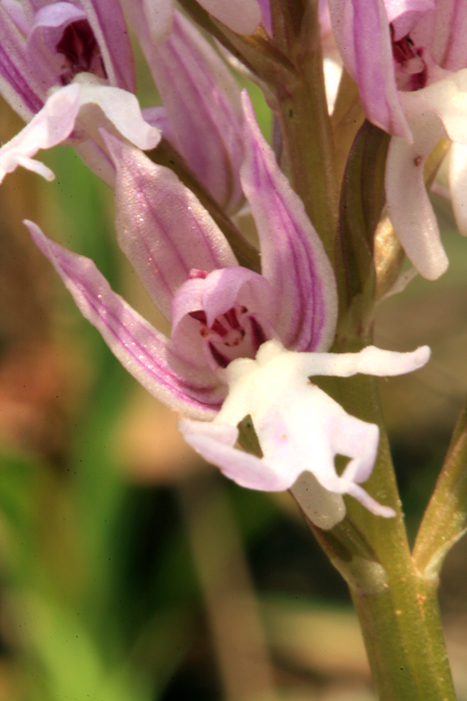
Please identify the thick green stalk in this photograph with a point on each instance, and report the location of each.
(301, 106)
(396, 604)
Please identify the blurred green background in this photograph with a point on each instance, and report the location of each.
(128, 568)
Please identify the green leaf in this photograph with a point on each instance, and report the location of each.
(445, 519)
(361, 203)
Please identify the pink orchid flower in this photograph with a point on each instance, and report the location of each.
(56, 43)
(241, 343)
(52, 42)
(409, 59)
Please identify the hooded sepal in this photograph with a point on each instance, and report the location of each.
(202, 104)
(161, 226)
(143, 351)
(293, 258)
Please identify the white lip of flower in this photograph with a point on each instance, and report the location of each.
(435, 112)
(87, 102)
(299, 427)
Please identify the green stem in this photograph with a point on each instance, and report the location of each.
(395, 603)
(300, 104)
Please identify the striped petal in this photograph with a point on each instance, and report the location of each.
(111, 33)
(18, 84)
(361, 28)
(141, 349)
(292, 255)
(161, 226)
(202, 103)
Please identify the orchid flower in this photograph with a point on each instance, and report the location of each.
(56, 42)
(409, 60)
(241, 16)
(227, 356)
(45, 44)
(52, 42)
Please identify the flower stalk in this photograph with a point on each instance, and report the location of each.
(301, 106)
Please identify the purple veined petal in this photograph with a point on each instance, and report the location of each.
(44, 34)
(141, 349)
(111, 32)
(97, 160)
(162, 228)
(17, 82)
(241, 16)
(396, 8)
(16, 12)
(120, 107)
(221, 290)
(362, 33)
(202, 104)
(52, 125)
(293, 256)
(458, 185)
(408, 205)
(443, 33)
(455, 56)
(265, 6)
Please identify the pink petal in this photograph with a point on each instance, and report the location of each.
(44, 35)
(161, 226)
(18, 83)
(202, 104)
(292, 255)
(111, 32)
(141, 349)
(361, 28)
(220, 291)
(404, 15)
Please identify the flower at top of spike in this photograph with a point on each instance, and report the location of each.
(409, 59)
